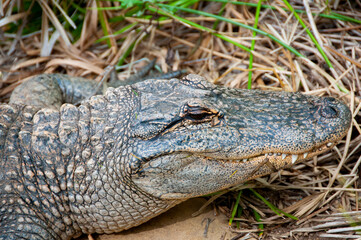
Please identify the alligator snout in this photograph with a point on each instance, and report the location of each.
(333, 118)
(331, 108)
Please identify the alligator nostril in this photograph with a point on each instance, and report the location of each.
(328, 112)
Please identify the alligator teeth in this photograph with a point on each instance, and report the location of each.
(329, 144)
(305, 155)
(294, 158)
(266, 154)
(244, 160)
(284, 156)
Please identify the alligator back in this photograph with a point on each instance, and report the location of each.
(30, 186)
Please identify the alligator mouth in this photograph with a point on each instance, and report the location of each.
(182, 174)
(288, 158)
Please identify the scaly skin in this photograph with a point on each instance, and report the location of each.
(120, 159)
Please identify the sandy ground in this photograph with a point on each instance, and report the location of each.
(178, 224)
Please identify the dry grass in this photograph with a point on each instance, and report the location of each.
(324, 193)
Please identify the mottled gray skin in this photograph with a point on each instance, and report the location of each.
(120, 159)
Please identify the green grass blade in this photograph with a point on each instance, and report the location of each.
(257, 216)
(183, 3)
(271, 206)
(291, 49)
(343, 18)
(234, 211)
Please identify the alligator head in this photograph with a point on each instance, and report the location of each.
(192, 137)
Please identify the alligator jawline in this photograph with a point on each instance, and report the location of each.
(288, 158)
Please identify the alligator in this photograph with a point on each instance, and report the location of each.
(120, 158)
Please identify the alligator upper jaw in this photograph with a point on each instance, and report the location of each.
(183, 175)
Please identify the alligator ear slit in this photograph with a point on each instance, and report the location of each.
(215, 121)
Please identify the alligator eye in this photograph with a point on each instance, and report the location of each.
(200, 113)
(199, 117)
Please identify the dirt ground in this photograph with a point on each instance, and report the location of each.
(178, 224)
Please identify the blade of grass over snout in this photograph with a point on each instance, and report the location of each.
(319, 48)
(271, 206)
(291, 49)
(236, 205)
(332, 15)
(250, 66)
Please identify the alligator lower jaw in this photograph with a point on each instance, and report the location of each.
(287, 158)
